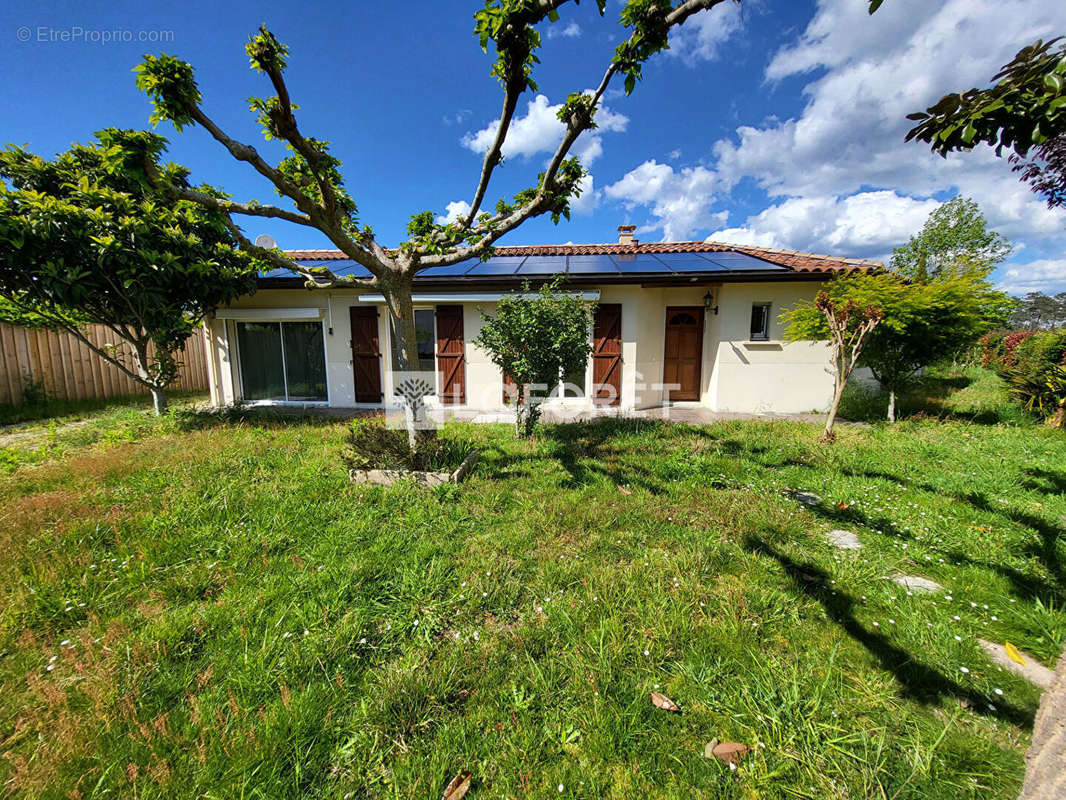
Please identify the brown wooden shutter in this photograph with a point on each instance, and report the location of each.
(451, 354)
(607, 354)
(366, 354)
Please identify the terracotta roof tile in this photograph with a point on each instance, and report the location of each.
(801, 262)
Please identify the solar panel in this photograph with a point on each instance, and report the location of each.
(742, 261)
(451, 271)
(688, 262)
(639, 263)
(591, 265)
(543, 265)
(499, 265)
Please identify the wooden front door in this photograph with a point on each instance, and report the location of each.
(683, 359)
(366, 354)
(451, 354)
(607, 355)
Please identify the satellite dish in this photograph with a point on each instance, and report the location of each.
(265, 241)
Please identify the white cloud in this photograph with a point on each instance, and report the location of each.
(571, 31)
(679, 200)
(702, 35)
(867, 225)
(839, 173)
(1042, 275)
(454, 210)
(876, 70)
(540, 131)
(589, 199)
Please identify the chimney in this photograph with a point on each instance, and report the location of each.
(625, 234)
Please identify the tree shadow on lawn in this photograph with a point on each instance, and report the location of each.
(917, 680)
(588, 452)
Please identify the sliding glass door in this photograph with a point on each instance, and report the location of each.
(282, 361)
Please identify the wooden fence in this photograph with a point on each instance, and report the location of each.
(67, 369)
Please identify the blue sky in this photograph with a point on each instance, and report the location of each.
(777, 122)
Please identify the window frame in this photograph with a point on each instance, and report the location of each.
(239, 362)
(765, 335)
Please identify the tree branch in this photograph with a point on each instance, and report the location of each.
(231, 207)
(321, 277)
(494, 228)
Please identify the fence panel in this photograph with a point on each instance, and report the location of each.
(67, 369)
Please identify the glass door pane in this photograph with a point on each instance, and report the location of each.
(305, 360)
(259, 349)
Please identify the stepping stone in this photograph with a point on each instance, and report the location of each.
(845, 540)
(807, 498)
(918, 585)
(1032, 670)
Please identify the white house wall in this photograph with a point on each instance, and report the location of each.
(737, 374)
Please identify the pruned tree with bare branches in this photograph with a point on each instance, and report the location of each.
(310, 177)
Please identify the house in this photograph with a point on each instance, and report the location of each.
(688, 323)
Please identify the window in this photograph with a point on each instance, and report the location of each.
(282, 361)
(760, 322)
(427, 343)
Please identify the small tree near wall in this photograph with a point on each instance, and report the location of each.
(84, 239)
(846, 324)
(536, 340)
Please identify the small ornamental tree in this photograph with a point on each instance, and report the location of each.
(536, 340)
(83, 239)
(310, 182)
(846, 324)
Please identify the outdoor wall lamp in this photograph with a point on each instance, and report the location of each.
(708, 303)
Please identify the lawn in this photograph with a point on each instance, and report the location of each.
(203, 606)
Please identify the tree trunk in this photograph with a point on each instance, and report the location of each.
(140, 363)
(420, 436)
(828, 435)
(159, 400)
(891, 405)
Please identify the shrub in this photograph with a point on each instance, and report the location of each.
(371, 445)
(1034, 365)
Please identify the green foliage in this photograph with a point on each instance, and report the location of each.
(535, 341)
(265, 52)
(922, 323)
(1034, 365)
(171, 85)
(954, 239)
(1025, 107)
(82, 239)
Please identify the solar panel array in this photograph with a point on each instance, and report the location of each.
(655, 264)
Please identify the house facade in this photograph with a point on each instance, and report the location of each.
(675, 323)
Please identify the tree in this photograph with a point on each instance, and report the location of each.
(921, 322)
(954, 239)
(82, 241)
(1023, 110)
(1038, 311)
(536, 340)
(846, 324)
(310, 178)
